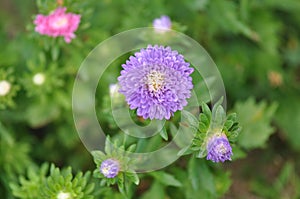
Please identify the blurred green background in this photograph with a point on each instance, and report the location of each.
(255, 44)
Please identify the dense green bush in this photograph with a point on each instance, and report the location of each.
(254, 43)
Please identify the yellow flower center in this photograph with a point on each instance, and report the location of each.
(105, 170)
(155, 81)
(60, 22)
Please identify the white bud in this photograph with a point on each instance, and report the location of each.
(4, 87)
(38, 79)
(113, 89)
(63, 195)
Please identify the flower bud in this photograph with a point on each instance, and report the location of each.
(110, 168)
(218, 148)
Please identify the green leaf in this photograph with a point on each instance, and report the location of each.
(204, 119)
(206, 111)
(192, 120)
(156, 191)
(166, 179)
(55, 52)
(255, 118)
(201, 177)
(218, 117)
(133, 177)
(131, 148)
(163, 133)
(288, 119)
(99, 156)
(108, 146)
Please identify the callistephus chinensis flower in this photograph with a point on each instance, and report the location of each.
(38, 79)
(156, 81)
(218, 148)
(110, 168)
(4, 87)
(58, 23)
(162, 24)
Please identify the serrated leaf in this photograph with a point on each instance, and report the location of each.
(255, 118)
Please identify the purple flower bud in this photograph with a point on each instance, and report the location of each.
(110, 168)
(163, 22)
(218, 148)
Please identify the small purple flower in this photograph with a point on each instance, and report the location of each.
(156, 81)
(218, 148)
(110, 168)
(162, 24)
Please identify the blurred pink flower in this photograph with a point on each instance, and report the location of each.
(58, 23)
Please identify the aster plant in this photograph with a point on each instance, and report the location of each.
(115, 167)
(8, 89)
(214, 134)
(156, 81)
(58, 23)
(59, 184)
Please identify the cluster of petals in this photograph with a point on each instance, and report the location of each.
(58, 23)
(218, 148)
(110, 168)
(156, 81)
(162, 24)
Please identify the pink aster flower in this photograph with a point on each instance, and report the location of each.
(58, 23)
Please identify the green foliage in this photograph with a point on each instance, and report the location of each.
(6, 99)
(287, 179)
(166, 179)
(126, 176)
(14, 159)
(288, 117)
(58, 184)
(202, 179)
(256, 46)
(210, 122)
(255, 119)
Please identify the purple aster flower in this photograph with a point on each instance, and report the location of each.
(218, 148)
(163, 22)
(156, 81)
(110, 168)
